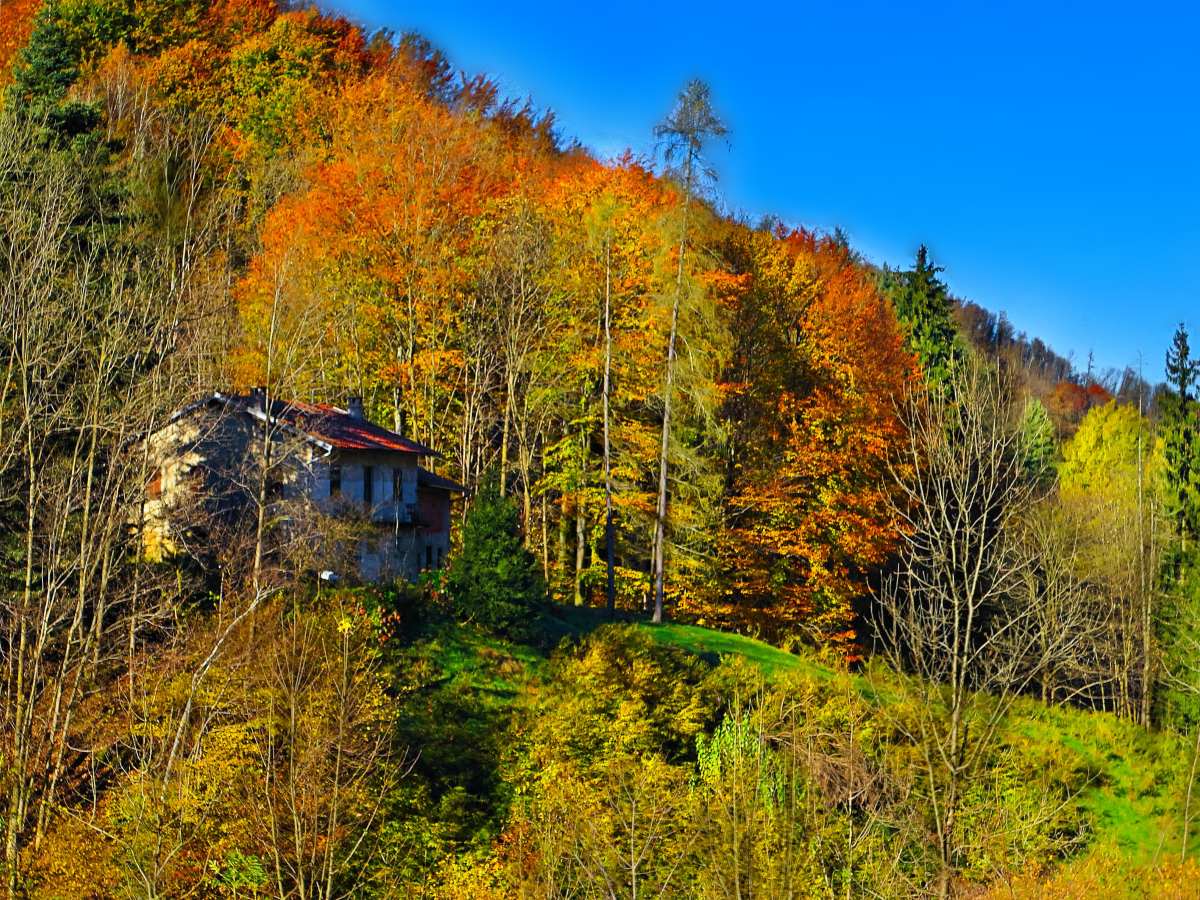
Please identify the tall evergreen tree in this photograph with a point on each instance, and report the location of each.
(1179, 632)
(922, 303)
(1180, 446)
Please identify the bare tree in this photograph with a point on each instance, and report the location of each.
(325, 754)
(1075, 620)
(958, 613)
(95, 337)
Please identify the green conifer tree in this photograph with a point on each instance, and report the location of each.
(1037, 441)
(1181, 449)
(1179, 621)
(495, 580)
(50, 64)
(922, 304)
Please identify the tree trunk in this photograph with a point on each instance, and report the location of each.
(545, 541)
(526, 511)
(660, 517)
(1144, 593)
(580, 521)
(504, 441)
(580, 548)
(610, 590)
(560, 575)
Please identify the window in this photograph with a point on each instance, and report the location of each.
(440, 557)
(429, 556)
(368, 485)
(335, 480)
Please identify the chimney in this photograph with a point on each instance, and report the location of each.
(258, 398)
(354, 406)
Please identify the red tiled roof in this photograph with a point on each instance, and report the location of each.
(339, 429)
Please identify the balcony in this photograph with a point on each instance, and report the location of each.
(389, 513)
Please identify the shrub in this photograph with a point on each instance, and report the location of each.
(495, 580)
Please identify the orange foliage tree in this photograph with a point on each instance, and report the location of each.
(383, 239)
(1069, 402)
(433, 215)
(810, 409)
(16, 23)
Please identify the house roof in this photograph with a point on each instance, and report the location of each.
(329, 426)
(425, 478)
(337, 428)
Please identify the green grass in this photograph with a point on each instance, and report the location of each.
(487, 663)
(575, 621)
(471, 660)
(1134, 777)
(715, 644)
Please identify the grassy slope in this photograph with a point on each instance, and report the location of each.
(1135, 790)
(1134, 794)
(714, 644)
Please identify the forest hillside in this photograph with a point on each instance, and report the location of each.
(774, 572)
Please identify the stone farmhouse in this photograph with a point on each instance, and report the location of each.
(332, 459)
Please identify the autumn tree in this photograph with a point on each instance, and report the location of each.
(608, 249)
(617, 230)
(1107, 477)
(514, 285)
(276, 81)
(15, 25)
(324, 751)
(604, 233)
(387, 249)
(691, 124)
(809, 401)
(98, 335)
(954, 613)
(1054, 539)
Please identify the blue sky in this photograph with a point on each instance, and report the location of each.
(1048, 153)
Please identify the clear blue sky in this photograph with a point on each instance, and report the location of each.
(1048, 153)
